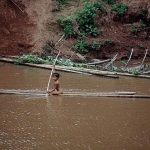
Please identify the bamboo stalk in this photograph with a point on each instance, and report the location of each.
(79, 94)
(146, 51)
(12, 91)
(111, 62)
(146, 72)
(99, 62)
(53, 68)
(128, 59)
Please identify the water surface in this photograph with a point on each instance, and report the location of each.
(72, 123)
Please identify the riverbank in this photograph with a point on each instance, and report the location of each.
(81, 70)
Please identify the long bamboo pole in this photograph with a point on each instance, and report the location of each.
(146, 51)
(50, 77)
(128, 59)
(53, 68)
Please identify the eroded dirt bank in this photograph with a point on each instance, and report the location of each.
(26, 25)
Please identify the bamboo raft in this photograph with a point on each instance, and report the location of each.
(121, 94)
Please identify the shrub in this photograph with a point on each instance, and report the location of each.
(81, 46)
(108, 43)
(135, 72)
(86, 18)
(99, 45)
(60, 3)
(144, 13)
(141, 46)
(68, 27)
(143, 24)
(110, 2)
(30, 59)
(95, 45)
(120, 9)
(135, 30)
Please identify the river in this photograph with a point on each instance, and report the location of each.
(72, 123)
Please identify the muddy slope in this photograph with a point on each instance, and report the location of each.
(23, 25)
(26, 25)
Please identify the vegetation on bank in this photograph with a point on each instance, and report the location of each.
(67, 62)
(120, 9)
(85, 19)
(83, 47)
(46, 60)
(84, 23)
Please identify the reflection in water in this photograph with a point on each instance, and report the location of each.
(72, 123)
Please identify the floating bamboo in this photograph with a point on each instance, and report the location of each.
(123, 94)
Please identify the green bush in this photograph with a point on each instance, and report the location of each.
(30, 59)
(141, 46)
(110, 2)
(99, 45)
(68, 27)
(60, 3)
(108, 43)
(95, 45)
(135, 30)
(143, 24)
(81, 46)
(120, 9)
(86, 18)
(144, 13)
(47, 60)
(135, 72)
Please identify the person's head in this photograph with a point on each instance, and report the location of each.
(55, 76)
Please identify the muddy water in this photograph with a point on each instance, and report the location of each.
(72, 123)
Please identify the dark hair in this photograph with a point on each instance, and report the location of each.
(57, 75)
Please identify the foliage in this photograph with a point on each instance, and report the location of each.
(101, 44)
(46, 60)
(95, 45)
(135, 72)
(60, 3)
(110, 2)
(120, 9)
(81, 46)
(135, 30)
(144, 13)
(68, 62)
(108, 42)
(141, 46)
(143, 24)
(68, 27)
(30, 59)
(86, 18)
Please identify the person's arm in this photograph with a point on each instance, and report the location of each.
(52, 90)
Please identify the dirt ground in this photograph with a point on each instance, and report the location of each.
(26, 25)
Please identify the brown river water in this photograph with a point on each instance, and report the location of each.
(72, 123)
